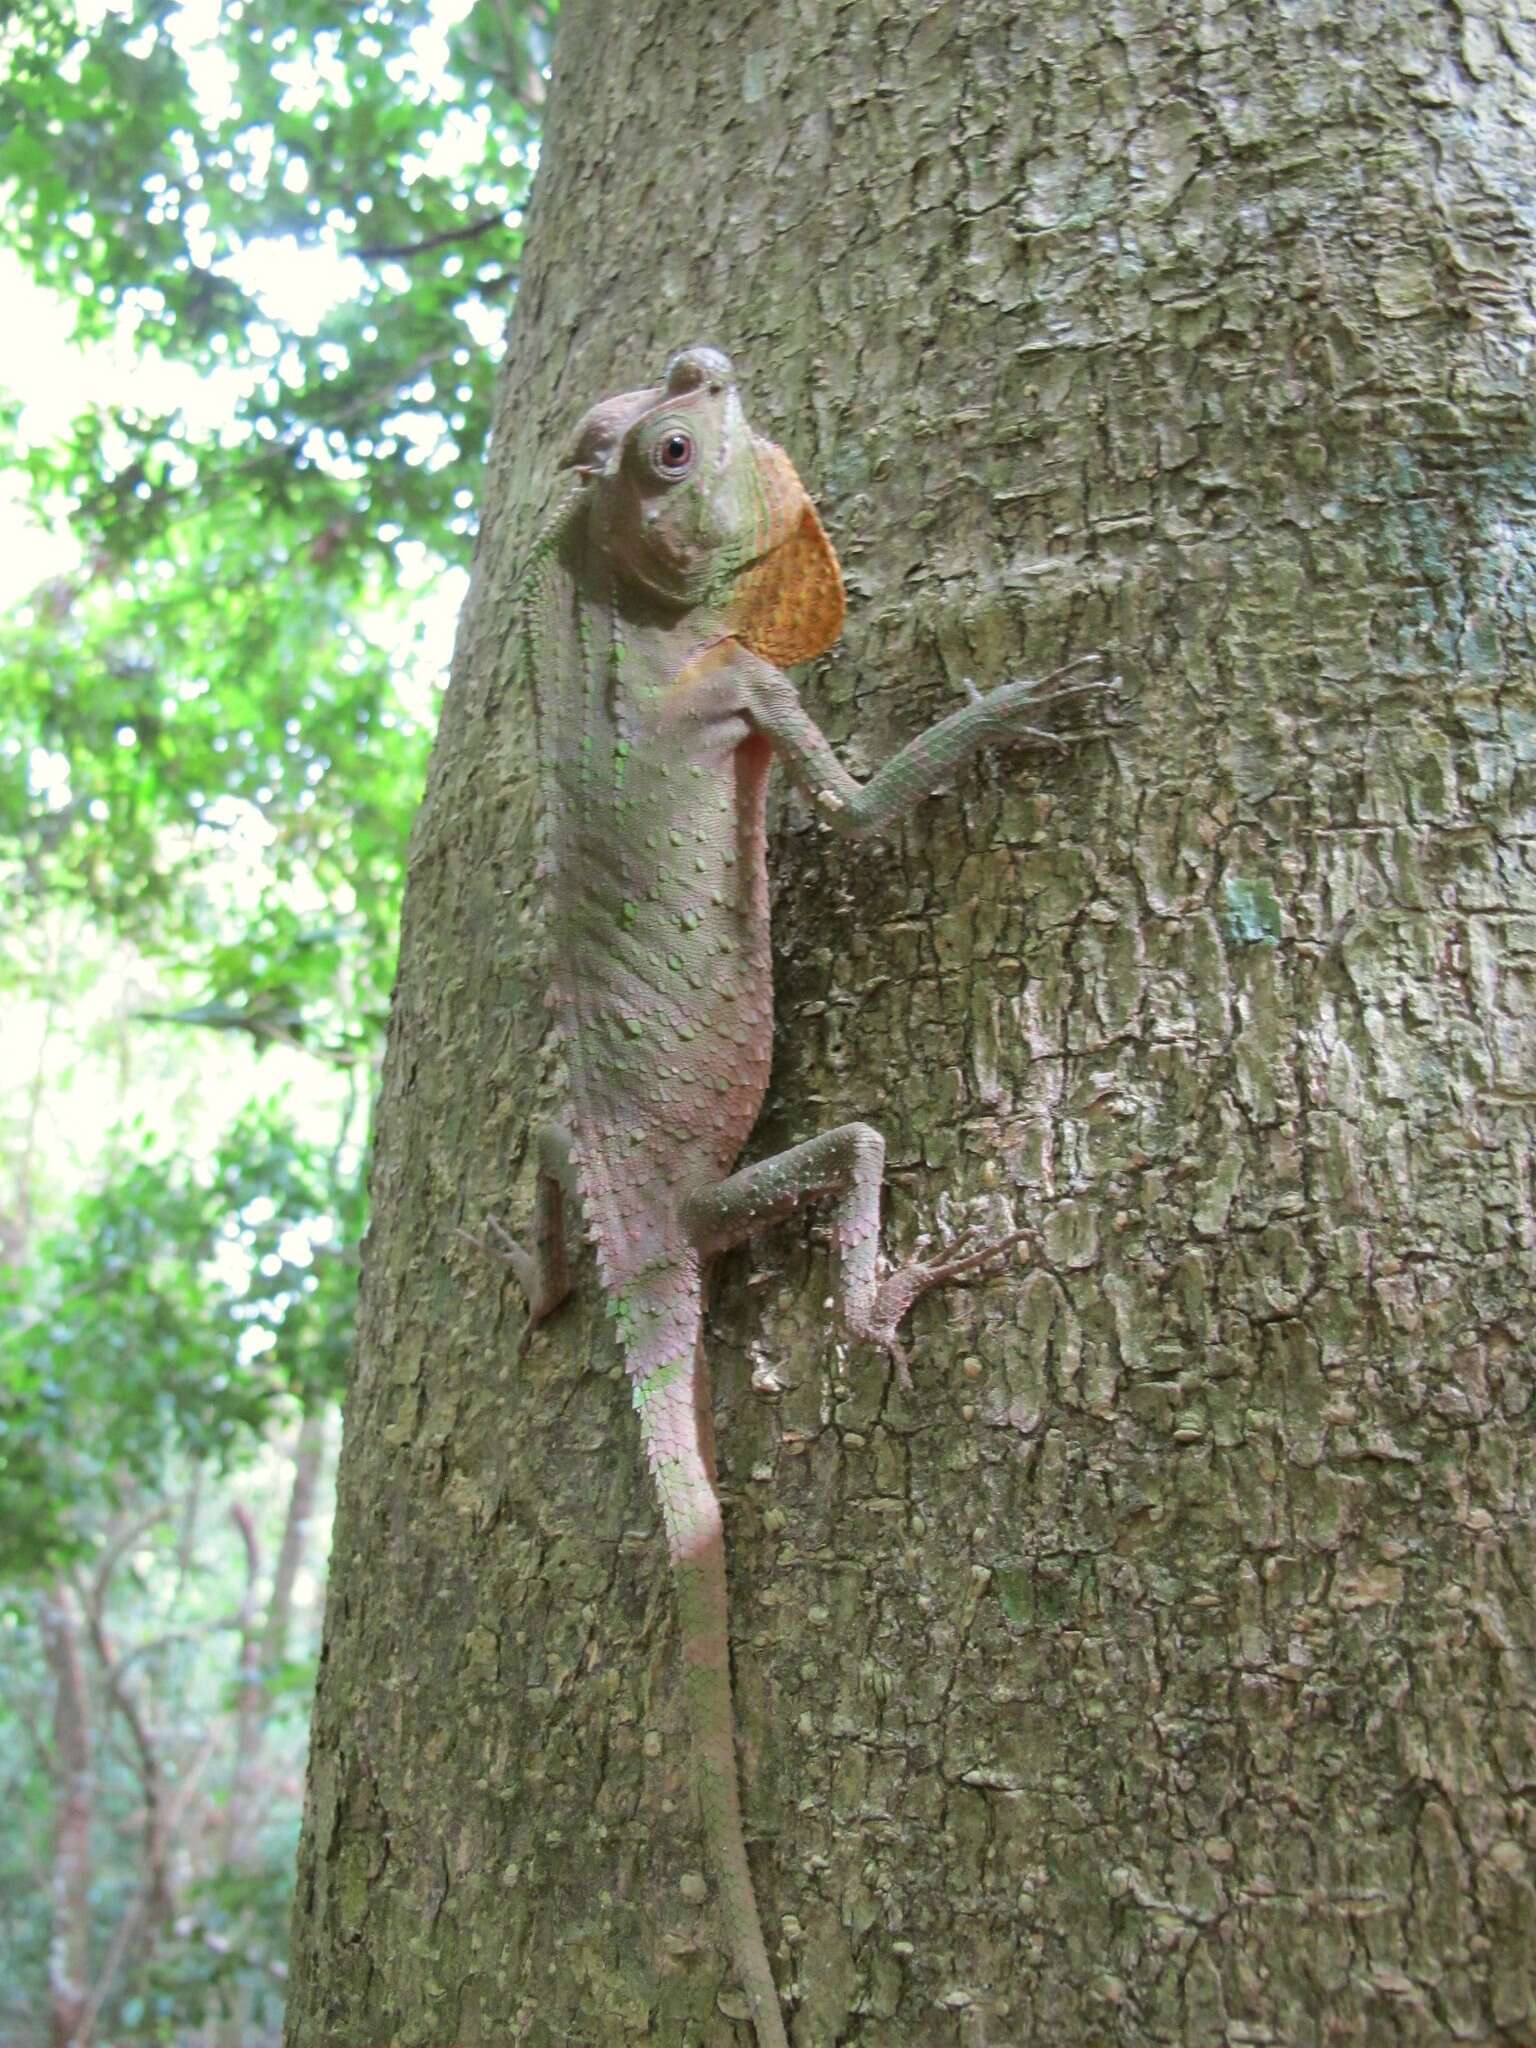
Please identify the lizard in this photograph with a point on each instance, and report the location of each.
(686, 570)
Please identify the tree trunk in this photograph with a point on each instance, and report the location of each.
(1159, 1669)
(74, 1803)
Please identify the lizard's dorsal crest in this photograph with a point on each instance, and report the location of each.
(788, 605)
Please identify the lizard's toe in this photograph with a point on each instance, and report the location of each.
(896, 1294)
(966, 1255)
(527, 1270)
(879, 1330)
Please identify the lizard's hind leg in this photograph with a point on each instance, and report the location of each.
(544, 1272)
(848, 1162)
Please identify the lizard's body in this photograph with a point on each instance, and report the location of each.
(649, 609)
(659, 965)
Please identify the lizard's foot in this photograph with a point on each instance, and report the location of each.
(1050, 689)
(499, 1243)
(911, 1280)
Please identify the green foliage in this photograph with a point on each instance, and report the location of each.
(230, 1931)
(142, 729)
(229, 696)
(228, 661)
(175, 1313)
(306, 220)
(148, 159)
(170, 1591)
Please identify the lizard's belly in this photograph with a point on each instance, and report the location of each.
(660, 974)
(667, 1016)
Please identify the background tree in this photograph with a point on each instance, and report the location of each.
(299, 227)
(1159, 1669)
(159, 1578)
(226, 647)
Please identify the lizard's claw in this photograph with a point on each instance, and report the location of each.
(1010, 705)
(911, 1280)
(1036, 735)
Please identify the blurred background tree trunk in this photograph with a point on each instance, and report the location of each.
(69, 1877)
(1159, 1670)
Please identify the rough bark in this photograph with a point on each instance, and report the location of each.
(1160, 1669)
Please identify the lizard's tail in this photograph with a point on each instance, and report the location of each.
(671, 1396)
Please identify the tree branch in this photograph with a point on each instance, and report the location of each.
(400, 251)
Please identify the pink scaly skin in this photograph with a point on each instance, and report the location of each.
(660, 608)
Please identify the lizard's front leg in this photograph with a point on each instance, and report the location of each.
(544, 1273)
(991, 718)
(849, 1163)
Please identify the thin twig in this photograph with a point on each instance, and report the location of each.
(399, 251)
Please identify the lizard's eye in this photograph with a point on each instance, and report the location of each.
(673, 454)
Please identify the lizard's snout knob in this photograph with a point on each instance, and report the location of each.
(692, 367)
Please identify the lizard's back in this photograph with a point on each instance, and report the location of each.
(658, 914)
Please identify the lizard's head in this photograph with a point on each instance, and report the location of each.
(691, 505)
